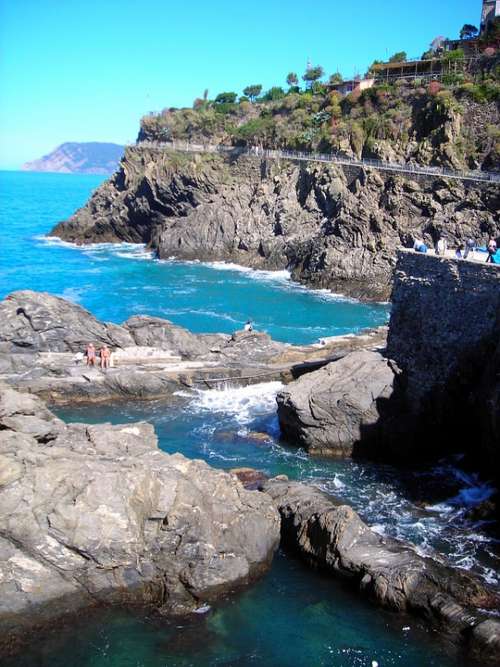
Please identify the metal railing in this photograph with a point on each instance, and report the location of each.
(334, 158)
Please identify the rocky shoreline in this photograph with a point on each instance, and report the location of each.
(42, 339)
(332, 227)
(402, 403)
(98, 515)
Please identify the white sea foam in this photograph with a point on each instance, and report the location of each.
(258, 274)
(123, 249)
(242, 403)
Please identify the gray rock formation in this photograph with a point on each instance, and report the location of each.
(332, 227)
(42, 338)
(348, 407)
(40, 322)
(331, 536)
(444, 334)
(97, 514)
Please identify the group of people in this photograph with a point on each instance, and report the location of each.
(462, 251)
(104, 355)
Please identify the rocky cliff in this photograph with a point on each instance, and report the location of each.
(79, 158)
(332, 227)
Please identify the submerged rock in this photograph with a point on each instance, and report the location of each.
(348, 407)
(98, 514)
(331, 535)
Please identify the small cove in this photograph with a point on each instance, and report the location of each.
(293, 616)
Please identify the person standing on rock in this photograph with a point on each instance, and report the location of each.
(492, 249)
(90, 354)
(441, 247)
(105, 354)
(469, 247)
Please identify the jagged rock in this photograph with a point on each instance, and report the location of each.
(97, 514)
(331, 226)
(332, 536)
(40, 322)
(348, 407)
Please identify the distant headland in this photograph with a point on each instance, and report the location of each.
(91, 157)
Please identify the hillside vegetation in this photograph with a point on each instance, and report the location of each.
(451, 122)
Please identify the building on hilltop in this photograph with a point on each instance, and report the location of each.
(491, 9)
(429, 69)
(351, 85)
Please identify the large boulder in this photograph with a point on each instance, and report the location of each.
(40, 322)
(331, 536)
(159, 333)
(98, 514)
(348, 407)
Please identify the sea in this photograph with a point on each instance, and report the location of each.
(293, 616)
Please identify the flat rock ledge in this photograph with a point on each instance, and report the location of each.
(331, 535)
(43, 337)
(348, 407)
(94, 515)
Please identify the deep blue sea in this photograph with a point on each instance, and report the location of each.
(293, 617)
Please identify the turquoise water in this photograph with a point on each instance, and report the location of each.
(118, 281)
(293, 616)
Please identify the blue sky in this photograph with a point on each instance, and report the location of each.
(87, 70)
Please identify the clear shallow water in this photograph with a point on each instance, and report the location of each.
(117, 281)
(293, 616)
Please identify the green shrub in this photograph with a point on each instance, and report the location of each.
(452, 56)
(482, 93)
(273, 94)
(452, 79)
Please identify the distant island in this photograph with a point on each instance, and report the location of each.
(79, 158)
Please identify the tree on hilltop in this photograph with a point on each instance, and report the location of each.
(468, 31)
(292, 79)
(252, 91)
(399, 57)
(273, 94)
(312, 74)
(335, 79)
(226, 98)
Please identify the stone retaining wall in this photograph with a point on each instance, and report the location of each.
(444, 331)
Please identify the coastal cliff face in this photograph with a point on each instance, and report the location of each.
(330, 226)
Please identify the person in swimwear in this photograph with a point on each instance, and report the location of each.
(105, 355)
(90, 354)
